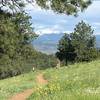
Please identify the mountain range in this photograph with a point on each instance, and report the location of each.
(47, 43)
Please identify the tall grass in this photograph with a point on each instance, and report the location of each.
(75, 82)
(11, 86)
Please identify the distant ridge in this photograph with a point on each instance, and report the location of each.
(47, 43)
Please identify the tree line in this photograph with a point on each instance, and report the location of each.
(16, 34)
(17, 55)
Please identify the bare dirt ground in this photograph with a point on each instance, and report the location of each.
(23, 95)
(41, 80)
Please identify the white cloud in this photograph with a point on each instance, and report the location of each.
(32, 7)
(46, 21)
(62, 21)
(94, 27)
(48, 30)
(93, 8)
(97, 23)
(41, 29)
(97, 33)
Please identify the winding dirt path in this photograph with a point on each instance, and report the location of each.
(41, 80)
(24, 95)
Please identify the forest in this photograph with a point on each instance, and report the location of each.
(17, 55)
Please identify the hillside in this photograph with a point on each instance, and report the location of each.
(47, 43)
(11, 86)
(74, 82)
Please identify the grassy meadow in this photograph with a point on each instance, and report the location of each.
(75, 82)
(14, 85)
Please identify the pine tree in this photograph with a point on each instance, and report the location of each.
(78, 46)
(69, 7)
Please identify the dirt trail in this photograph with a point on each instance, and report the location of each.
(41, 80)
(23, 95)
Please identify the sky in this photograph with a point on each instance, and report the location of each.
(48, 22)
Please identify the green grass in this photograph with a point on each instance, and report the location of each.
(75, 82)
(11, 86)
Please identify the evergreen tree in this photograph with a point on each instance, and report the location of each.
(69, 7)
(78, 46)
(83, 41)
(15, 37)
(66, 49)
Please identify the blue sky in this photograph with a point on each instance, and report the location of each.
(47, 22)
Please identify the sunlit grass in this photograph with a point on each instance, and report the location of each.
(11, 86)
(75, 82)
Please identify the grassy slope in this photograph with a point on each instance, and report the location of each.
(11, 86)
(78, 82)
